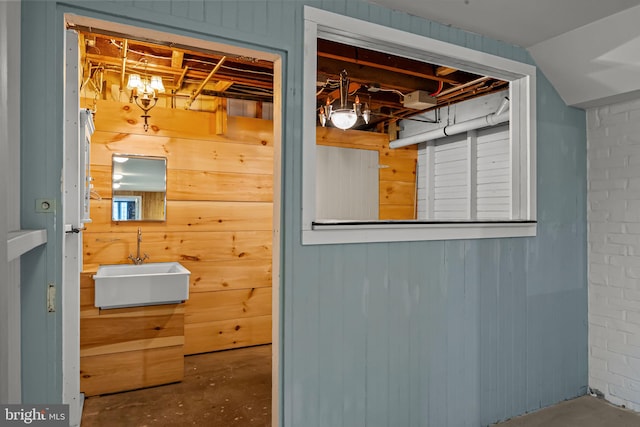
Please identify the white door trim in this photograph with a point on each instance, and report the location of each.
(199, 44)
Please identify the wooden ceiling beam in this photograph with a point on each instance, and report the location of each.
(181, 78)
(370, 75)
(222, 85)
(176, 62)
(379, 60)
(445, 71)
(408, 72)
(169, 50)
(176, 58)
(191, 73)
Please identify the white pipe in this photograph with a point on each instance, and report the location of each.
(500, 116)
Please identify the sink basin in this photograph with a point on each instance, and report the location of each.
(127, 285)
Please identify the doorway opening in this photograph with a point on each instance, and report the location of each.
(217, 122)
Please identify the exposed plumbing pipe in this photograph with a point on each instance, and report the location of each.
(500, 116)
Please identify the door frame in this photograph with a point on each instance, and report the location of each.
(70, 344)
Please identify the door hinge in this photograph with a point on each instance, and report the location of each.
(69, 228)
(51, 298)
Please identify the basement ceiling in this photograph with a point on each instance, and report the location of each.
(379, 79)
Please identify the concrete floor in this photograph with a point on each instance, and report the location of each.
(233, 389)
(584, 411)
(223, 389)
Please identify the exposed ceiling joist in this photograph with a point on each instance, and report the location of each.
(380, 79)
(176, 62)
(123, 67)
(379, 60)
(204, 83)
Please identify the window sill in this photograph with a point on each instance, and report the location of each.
(410, 231)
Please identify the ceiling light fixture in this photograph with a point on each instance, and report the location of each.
(344, 117)
(144, 92)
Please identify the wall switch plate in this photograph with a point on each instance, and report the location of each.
(46, 205)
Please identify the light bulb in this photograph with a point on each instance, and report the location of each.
(344, 118)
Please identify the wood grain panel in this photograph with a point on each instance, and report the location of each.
(131, 370)
(201, 185)
(190, 215)
(397, 169)
(227, 334)
(248, 130)
(101, 183)
(203, 307)
(178, 123)
(397, 212)
(409, 152)
(114, 248)
(215, 154)
(125, 118)
(351, 139)
(223, 186)
(106, 334)
(207, 276)
(397, 193)
(87, 295)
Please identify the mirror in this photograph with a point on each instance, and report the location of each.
(139, 188)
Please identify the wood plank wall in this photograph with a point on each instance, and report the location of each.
(398, 194)
(219, 216)
(219, 211)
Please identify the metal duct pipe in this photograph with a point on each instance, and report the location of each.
(500, 116)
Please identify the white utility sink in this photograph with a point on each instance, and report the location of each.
(128, 285)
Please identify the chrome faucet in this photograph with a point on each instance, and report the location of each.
(138, 260)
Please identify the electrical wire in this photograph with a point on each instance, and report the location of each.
(379, 89)
(437, 92)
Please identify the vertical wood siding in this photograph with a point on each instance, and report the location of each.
(456, 333)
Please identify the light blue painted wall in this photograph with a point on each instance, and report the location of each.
(456, 333)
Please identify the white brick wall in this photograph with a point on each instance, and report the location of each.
(613, 141)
